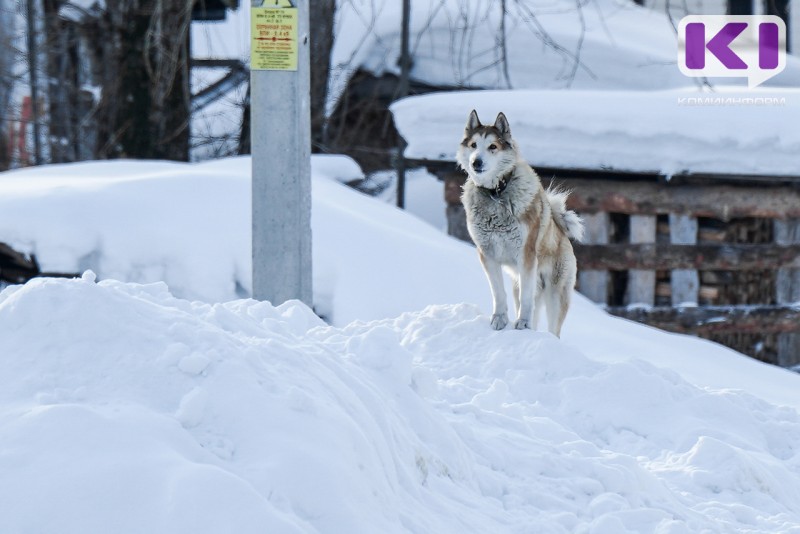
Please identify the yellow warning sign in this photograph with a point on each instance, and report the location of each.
(273, 36)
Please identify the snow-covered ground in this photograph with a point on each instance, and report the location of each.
(424, 196)
(667, 132)
(129, 220)
(124, 408)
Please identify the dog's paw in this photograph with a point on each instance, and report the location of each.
(521, 324)
(499, 321)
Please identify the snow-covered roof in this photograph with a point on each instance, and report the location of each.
(665, 132)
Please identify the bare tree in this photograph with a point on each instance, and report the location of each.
(321, 20)
(361, 124)
(119, 79)
(502, 42)
(7, 76)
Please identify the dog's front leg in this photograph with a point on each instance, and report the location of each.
(528, 278)
(494, 272)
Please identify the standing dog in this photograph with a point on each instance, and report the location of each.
(519, 225)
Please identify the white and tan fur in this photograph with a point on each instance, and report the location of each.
(517, 225)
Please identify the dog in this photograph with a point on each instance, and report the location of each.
(518, 225)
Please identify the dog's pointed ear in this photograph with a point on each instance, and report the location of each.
(501, 123)
(473, 122)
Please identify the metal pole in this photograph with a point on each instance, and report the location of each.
(281, 164)
(793, 29)
(402, 91)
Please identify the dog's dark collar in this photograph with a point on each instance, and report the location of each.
(501, 186)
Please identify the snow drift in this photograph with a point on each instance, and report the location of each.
(188, 225)
(125, 409)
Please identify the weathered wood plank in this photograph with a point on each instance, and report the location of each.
(721, 202)
(685, 282)
(457, 222)
(642, 283)
(453, 183)
(593, 283)
(716, 319)
(647, 256)
(787, 289)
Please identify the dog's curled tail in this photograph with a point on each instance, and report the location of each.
(569, 221)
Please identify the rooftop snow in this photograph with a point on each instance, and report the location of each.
(666, 132)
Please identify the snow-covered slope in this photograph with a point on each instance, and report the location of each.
(126, 409)
(668, 132)
(123, 409)
(188, 225)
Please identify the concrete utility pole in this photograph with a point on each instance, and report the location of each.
(281, 148)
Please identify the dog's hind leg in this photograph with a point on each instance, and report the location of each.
(494, 273)
(558, 298)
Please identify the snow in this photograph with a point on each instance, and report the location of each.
(150, 397)
(336, 167)
(78, 10)
(129, 221)
(424, 195)
(126, 408)
(668, 132)
(123, 408)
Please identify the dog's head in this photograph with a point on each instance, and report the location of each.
(487, 153)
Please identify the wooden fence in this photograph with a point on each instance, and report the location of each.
(684, 256)
(682, 249)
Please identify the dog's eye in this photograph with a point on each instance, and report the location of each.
(473, 145)
(493, 147)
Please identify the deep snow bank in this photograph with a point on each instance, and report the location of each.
(125, 409)
(189, 226)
